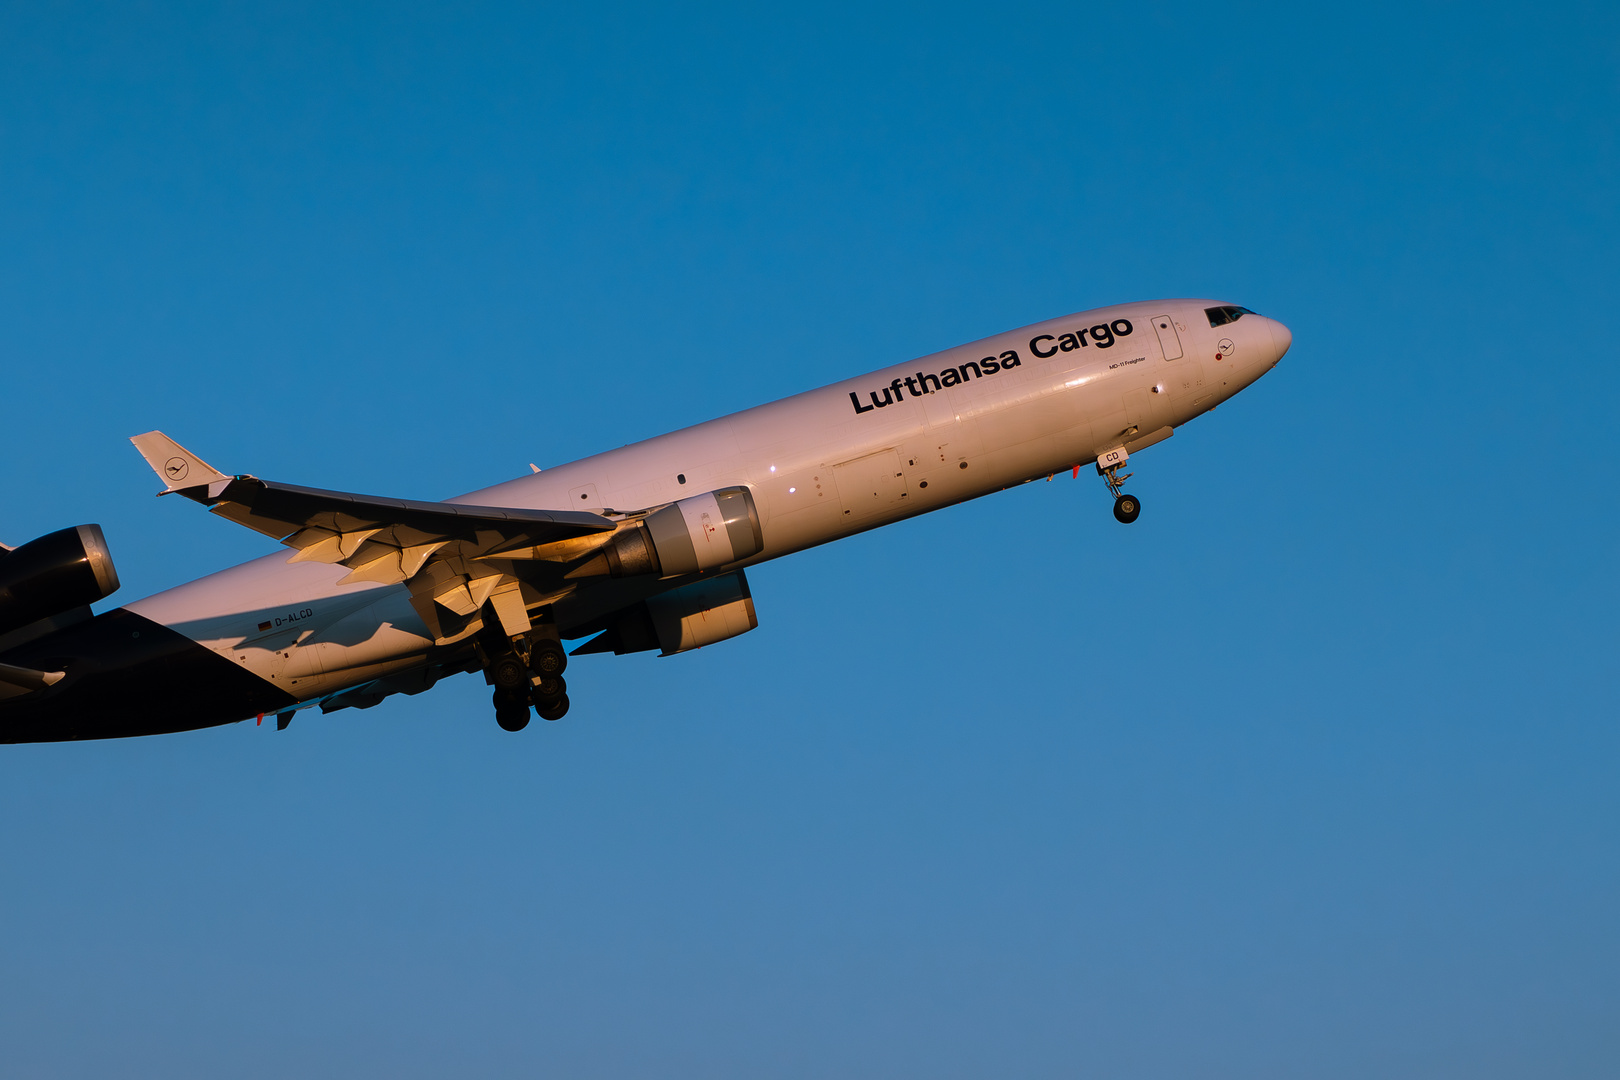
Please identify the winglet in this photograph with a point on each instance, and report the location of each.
(176, 466)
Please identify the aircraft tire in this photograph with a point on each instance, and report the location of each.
(548, 658)
(511, 710)
(508, 674)
(548, 691)
(555, 711)
(1127, 508)
(512, 717)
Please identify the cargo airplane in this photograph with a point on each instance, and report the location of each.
(640, 548)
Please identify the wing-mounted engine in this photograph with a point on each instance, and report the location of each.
(686, 537)
(682, 619)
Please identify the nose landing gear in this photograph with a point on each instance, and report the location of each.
(1126, 507)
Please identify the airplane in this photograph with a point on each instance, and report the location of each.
(641, 548)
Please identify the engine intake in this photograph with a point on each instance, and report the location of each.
(685, 537)
(53, 574)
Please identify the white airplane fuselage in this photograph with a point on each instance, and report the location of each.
(820, 465)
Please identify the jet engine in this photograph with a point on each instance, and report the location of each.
(685, 537)
(682, 619)
(54, 574)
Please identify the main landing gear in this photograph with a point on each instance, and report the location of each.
(1126, 507)
(521, 681)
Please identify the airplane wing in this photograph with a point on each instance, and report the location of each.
(453, 556)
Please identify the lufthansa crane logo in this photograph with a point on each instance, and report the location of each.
(176, 468)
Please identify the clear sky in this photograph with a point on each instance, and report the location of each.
(1311, 772)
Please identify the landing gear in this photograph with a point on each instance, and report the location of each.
(524, 670)
(1126, 507)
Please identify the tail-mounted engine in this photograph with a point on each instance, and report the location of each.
(685, 537)
(54, 574)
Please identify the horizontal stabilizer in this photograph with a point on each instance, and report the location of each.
(17, 681)
(176, 466)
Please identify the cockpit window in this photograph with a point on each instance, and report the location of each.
(1220, 316)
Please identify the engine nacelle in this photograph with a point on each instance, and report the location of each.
(690, 617)
(685, 537)
(702, 613)
(56, 573)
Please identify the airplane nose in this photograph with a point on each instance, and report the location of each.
(1281, 338)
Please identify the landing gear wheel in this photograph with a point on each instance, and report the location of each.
(1126, 509)
(548, 658)
(512, 717)
(548, 690)
(511, 710)
(555, 711)
(508, 675)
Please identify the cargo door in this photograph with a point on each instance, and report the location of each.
(871, 486)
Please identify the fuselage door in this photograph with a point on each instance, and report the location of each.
(1169, 340)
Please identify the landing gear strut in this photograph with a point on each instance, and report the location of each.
(1126, 507)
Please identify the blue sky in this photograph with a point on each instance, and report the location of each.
(1310, 772)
